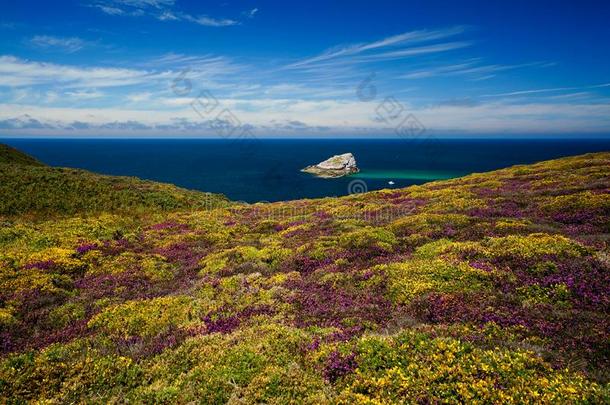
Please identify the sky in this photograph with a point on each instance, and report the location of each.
(178, 68)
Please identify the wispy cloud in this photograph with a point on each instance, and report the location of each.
(209, 21)
(163, 10)
(274, 117)
(48, 42)
(421, 50)
(8, 25)
(200, 68)
(402, 41)
(471, 68)
(547, 90)
(130, 7)
(316, 94)
(139, 97)
(110, 10)
(201, 20)
(84, 94)
(20, 72)
(146, 3)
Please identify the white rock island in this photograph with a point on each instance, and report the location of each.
(336, 166)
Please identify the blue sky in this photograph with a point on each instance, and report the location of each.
(316, 68)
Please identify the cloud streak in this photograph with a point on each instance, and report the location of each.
(316, 95)
(163, 10)
(16, 72)
(369, 49)
(470, 68)
(272, 117)
(209, 21)
(547, 90)
(47, 42)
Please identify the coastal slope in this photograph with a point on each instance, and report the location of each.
(493, 287)
(27, 186)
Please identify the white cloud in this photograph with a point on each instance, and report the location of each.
(137, 4)
(48, 42)
(209, 21)
(168, 16)
(20, 72)
(139, 97)
(146, 3)
(51, 97)
(316, 94)
(110, 10)
(421, 50)
(547, 90)
(327, 115)
(469, 68)
(84, 94)
(162, 10)
(401, 40)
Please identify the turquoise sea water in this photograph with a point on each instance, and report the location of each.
(415, 175)
(269, 170)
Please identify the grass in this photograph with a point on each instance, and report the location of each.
(29, 187)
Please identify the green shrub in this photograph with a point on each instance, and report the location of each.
(410, 279)
(368, 237)
(146, 317)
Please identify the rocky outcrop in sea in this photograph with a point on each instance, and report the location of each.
(336, 166)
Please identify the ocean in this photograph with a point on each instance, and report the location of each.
(269, 170)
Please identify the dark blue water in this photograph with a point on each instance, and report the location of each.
(268, 170)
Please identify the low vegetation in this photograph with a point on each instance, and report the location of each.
(29, 187)
(491, 288)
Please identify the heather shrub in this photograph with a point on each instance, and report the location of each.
(285, 385)
(536, 244)
(368, 237)
(415, 366)
(10, 233)
(63, 315)
(218, 368)
(146, 317)
(433, 249)
(492, 288)
(447, 199)
(429, 223)
(535, 294)
(113, 264)
(585, 200)
(66, 374)
(244, 259)
(416, 277)
(156, 268)
(235, 293)
(15, 281)
(512, 225)
(521, 246)
(7, 317)
(63, 260)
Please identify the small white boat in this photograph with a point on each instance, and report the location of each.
(391, 183)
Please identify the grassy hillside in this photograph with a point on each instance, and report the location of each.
(27, 186)
(9, 155)
(489, 288)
